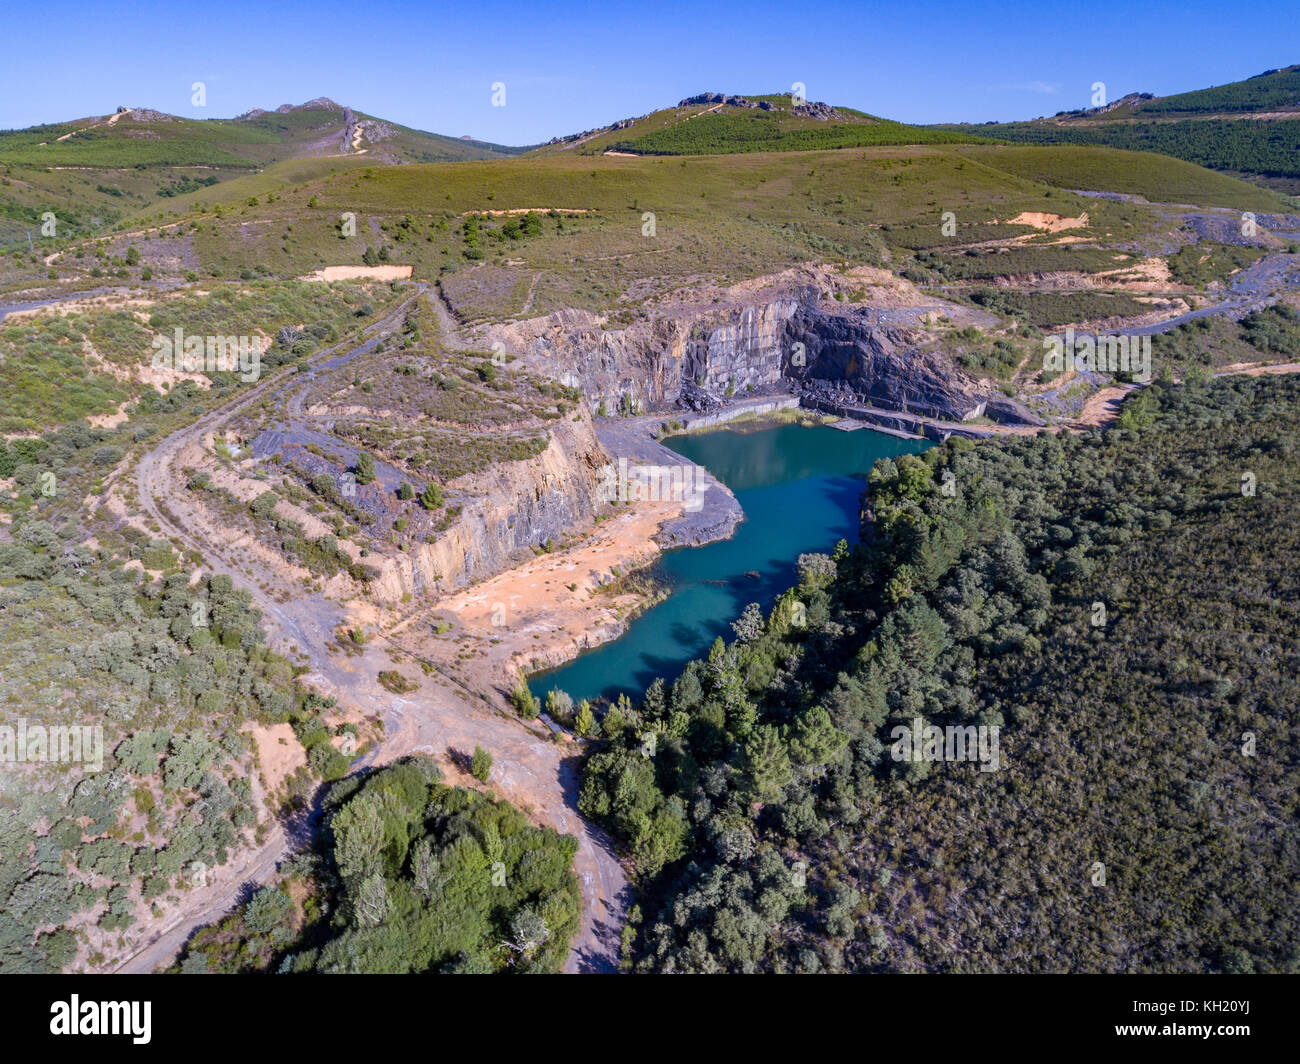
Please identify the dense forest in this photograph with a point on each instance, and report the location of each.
(413, 876)
(1121, 607)
(1269, 91)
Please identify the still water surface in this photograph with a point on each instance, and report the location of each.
(799, 488)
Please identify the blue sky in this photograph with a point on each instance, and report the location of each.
(570, 66)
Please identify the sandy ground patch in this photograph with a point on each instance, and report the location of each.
(109, 421)
(1247, 369)
(1051, 223)
(360, 273)
(1148, 275)
(548, 609)
(279, 752)
(1102, 407)
(867, 284)
(538, 210)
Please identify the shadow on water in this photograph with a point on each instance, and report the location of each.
(800, 490)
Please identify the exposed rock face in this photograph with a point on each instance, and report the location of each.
(147, 114)
(879, 365)
(514, 507)
(662, 363)
(820, 111)
(744, 355)
(1132, 99)
(1009, 412)
(730, 101)
(700, 361)
(639, 367)
(349, 128)
(771, 340)
(321, 103)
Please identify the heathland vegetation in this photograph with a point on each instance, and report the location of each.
(755, 797)
(1249, 127)
(1102, 600)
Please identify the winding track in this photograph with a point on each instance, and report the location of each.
(528, 770)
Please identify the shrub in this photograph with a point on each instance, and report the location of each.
(481, 765)
(524, 702)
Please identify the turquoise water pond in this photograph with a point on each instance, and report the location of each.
(799, 488)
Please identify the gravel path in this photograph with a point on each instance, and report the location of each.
(529, 770)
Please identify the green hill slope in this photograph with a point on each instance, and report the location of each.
(713, 124)
(151, 138)
(91, 172)
(1269, 91)
(1249, 127)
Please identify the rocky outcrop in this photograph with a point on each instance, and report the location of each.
(704, 360)
(778, 335)
(321, 103)
(349, 130)
(1133, 99)
(506, 511)
(647, 366)
(878, 365)
(1009, 412)
(820, 111)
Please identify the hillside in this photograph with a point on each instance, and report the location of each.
(93, 171)
(268, 578)
(717, 124)
(1250, 127)
(1273, 90)
(320, 127)
(1119, 820)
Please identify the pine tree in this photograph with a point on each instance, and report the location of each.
(481, 764)
(585, 721)
(365, 468)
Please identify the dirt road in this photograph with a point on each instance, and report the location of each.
(529, 770)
